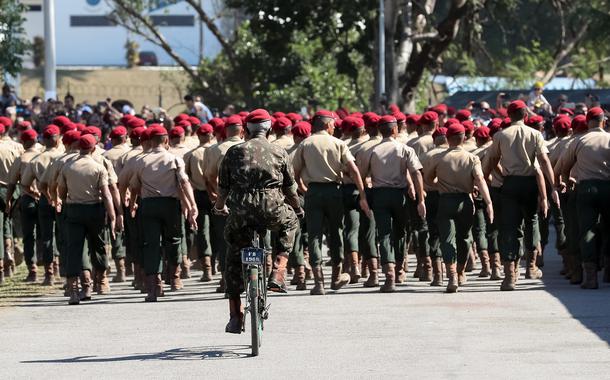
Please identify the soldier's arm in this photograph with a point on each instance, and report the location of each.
(542, 192)
(109, 205)
(355, 175)
(480, 182)
(13, 178)
(289, 185)
(492, 158)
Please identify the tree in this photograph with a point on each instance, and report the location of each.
(13, 43)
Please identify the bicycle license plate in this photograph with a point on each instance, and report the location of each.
(254, 256)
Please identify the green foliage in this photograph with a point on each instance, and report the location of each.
(13, 43)
(522, 69)
(131, 53)
(305, 70)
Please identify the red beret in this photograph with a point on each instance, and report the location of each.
(145, 136)
(278, 114)
(181, 117)
(386, 119)
(535, 119)
(302, 129)
(71, 137)
(482, 132)
(370, 119)
(494, 123)
(594, 112)
(176, 132)
(118, 131)
(218, 124)
(61, 120)
(294, 117)
(400, 117)
(463, 115)
(439, 109)
(205, 128)
(281, 123)
(451, 120)
(455, 129)
(233, 120)
(393, 108)
(87, 142)
(80, 127)
(135, 122)
(564, 110)
(428, 117)
(324, 113)
(350, 123)
(440, 131)
(257, 116)
(157, 130)
(562, 124)
(23, 125)
(579, 123)
(413, 118)
(194, 120)
(67, 127)
(29, 135)
(516, 105)
(244, 113)
(91, 130)
(356, 114)
(125, 118)
(450, 111)
(136, 133)
(183, 124)
(6, 122)
(468, 125)
(51, 131)
(506, 122)
(2, 129)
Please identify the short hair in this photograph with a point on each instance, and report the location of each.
(254, 128)
(386, 129)
(233, 128)
(319, 122)
(158, 139)
(518, 114)
(188, 98)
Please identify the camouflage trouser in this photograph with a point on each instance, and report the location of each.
(260, 211)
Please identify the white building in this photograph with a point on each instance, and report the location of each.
(86, 36)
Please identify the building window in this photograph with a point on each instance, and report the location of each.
(158, 20)
(78, 21)
(34, 8)
(163, 20)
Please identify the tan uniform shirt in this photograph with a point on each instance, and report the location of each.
(354, 145)
(127, 156)
(214, 156)
(455, 170)
(517, 147)
(556, 149)
(388, 164)
(194, 161)
(114, 154)
(18, 168)
(470, 145)
(321, 158)
(83, 178)
(285, 141)
(422, 143)
(99, 158)
(590, 154)
(17, 147)
(179, 150)
(191, 141)
(426, 162)
(130, 162)
(8, 155)
(362, 156)
(159, 174)
(51, 175)
(38, 166)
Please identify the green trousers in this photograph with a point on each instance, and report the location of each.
(116, 243)
(390, 208)
(296, 257)
(161, 225)
(519, 202)
(434, 244)
(367, 231)
(593, 204)
(324, 208)
(48, 230)
(85, 222)
(218, 243)
(29, 226)
(351, 217)
(556, 214)
(133, 237)
(454, 220)
(573, 228)
(479, 226)
(202, 236)
(417, 230)
(61, 241)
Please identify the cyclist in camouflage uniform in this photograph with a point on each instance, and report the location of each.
(255, 180)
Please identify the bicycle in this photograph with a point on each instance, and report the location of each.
(253, 260)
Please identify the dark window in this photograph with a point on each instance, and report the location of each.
(35, 8)
(91, 21)
(158, 20)
(162, 20)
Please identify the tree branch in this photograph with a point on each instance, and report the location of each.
(565, 51)
(228, 48)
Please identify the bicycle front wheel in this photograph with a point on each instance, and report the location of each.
(255, 316)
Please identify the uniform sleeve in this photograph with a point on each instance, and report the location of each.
(102, 179)
(346, 155)
(14, 172)
(180, 171)
(134, 181)
(112, 177)
(287, 173)
(363, 159)
(46, 175)
(61, 181)
(540, 145)
(224, 175)
(297, 161)
(476, 167)
(492, 154)
(413, 162)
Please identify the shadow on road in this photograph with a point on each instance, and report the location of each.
(186, 353)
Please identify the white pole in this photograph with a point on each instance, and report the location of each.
(50, 75)
(381, 49)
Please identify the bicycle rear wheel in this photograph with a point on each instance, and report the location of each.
(255, 316)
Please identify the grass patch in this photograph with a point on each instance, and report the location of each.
(15, 288)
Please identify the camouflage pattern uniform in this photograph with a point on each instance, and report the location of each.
(255, 175)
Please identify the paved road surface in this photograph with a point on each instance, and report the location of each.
(547, 329)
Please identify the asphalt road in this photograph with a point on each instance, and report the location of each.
(546, 329)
